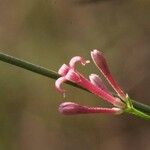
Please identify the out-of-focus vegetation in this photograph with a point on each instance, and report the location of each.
(49, 33)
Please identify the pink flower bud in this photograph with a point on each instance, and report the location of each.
(101, 63)
(63, 70)
(70, 108)
(97, 81)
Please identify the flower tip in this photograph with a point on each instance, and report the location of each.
(61, 91)
(63, 70)
(86, 62)
(94, 77)
(97, 81)
(58, 83)
(76, 59)
(95, 52)
(69, 108)
(100, 62)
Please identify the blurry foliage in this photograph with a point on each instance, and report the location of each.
(49, 33)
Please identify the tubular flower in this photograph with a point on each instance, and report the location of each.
(94, 85)
(101, 63)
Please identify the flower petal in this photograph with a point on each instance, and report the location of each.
(101, 63)
(63, 70)
(73, 76)
(77, 59)
(70, 108)
(58, 83)
(97, 81)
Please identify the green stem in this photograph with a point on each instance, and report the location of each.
(32, 67)
(28, 66)
(137, 113)
(52, 74)
(140, 114)
(131, 109)
(141, 107)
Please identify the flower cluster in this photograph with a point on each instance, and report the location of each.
(94, 84)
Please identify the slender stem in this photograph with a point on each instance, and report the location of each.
(32, 67)
(141, 107)
(52, 74)
(138, 113)
(27, 65)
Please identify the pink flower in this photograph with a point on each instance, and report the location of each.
(70, 108)
(94, 85)
(101, 63)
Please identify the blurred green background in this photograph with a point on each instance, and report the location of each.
(49, 33)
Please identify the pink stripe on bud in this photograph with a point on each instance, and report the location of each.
(101, 63)
(70, 108)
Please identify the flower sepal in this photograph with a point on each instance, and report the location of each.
(130, 109)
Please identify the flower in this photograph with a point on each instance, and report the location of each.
(94, 84)
(70, 108)
(101, 63)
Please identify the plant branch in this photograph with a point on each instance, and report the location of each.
(52, 74)
(32, 67)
